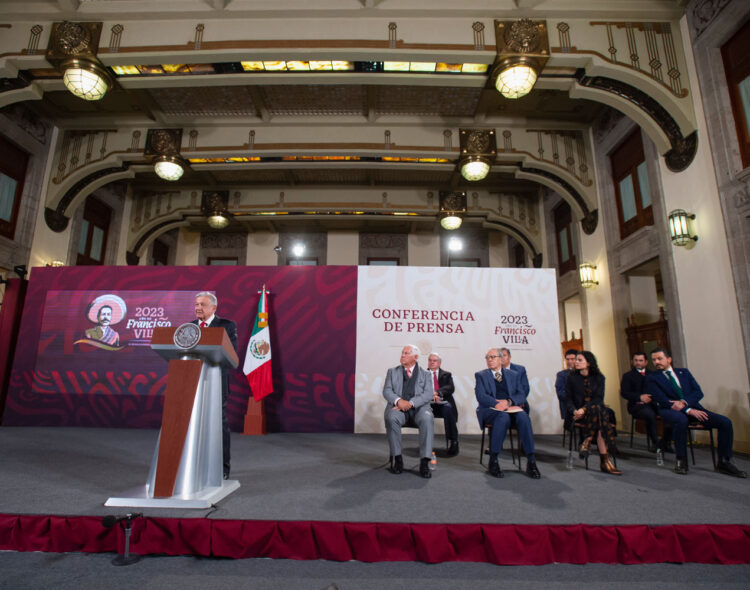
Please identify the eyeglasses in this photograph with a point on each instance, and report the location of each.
(491, 356)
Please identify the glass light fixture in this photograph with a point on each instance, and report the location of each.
(455, 244)
(298, 250)
(587, 273)
(85, 79)
(55, 263)
(168, 168)
(680, 227)
(218, 220)
(516, 80)
(450, 220)
(475, 168)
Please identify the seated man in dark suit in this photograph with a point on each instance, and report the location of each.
(562, 378)
(678, 395)
(408, 391)
(506, 363)
(500, 396)
(641, 405)
(443, 404)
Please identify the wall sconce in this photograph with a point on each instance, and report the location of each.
(587, 272)
(298, 249)
(55, 264)
(215, 208)
(72, 51)
(478, 152)
(680, 228)
(163, 146)
(452, 208)
(522, 52)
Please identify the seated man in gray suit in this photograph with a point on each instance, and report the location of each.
(408, 391)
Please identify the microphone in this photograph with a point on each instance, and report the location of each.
(111, 520)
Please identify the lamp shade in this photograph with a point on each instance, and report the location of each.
(516, 81)
(168, 168)
(587, 273)
(450, 221)
(679, 227)
(85, 79)
(475, 168)
(218, 221)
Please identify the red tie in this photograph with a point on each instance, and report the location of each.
(203, 324)
(408, 373)
(434, 379)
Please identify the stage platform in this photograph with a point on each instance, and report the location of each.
(333, 489)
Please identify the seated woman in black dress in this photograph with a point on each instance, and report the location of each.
(584, 398)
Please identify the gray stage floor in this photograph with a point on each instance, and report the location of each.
(343, 477)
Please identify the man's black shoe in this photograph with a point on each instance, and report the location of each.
(453, 448)
(424, 468)
(532, 470)
(680, 466)
(397, 464)
(729, 468)
(494, 467)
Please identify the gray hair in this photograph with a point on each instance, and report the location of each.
(433, 353)
(211, 297)
(414, 349)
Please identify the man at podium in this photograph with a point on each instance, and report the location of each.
(205, 316)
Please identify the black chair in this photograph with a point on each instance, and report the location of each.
(632, 426)
(696, 425)
(511, 428)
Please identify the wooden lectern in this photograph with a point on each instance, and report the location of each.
(186, 470)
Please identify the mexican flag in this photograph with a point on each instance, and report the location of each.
(257, 366)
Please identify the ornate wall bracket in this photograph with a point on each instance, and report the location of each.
(54, 217)
(683, 148)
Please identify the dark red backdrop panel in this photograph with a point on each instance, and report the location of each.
(312, 323)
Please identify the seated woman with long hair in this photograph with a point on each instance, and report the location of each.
(584, 397)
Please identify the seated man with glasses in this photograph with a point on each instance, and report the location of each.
(501, 396)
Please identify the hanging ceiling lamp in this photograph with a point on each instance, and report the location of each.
(215, 208)
(452, 208)
(163, 148)
(478, 151)
(522, 52)
(72, 50)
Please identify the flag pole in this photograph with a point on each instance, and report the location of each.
(255, 417)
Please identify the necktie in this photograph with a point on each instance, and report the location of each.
(674, 384)
(499, 376)
(408, 373)
(434, 380)
(203, 324)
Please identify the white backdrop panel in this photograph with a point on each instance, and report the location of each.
(460, 313)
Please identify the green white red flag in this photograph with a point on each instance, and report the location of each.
(257, 367)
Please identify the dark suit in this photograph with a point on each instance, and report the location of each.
(659, 386)
(231, 329)
(560, 380)
(448, 412)
(485, 392)
(632, 386)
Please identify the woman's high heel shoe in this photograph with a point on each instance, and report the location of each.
(583, 452)
(607, 466)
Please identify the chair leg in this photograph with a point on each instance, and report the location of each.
(481, 447)
(632, 428)
(512, 450)
(713, 450)
(690, 442)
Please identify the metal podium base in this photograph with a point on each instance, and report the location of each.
(139, 498)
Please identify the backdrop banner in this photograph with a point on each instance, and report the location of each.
(84, 359)
(460, 313)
